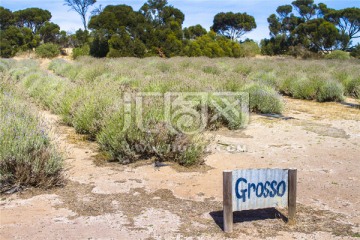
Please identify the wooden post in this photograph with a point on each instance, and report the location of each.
(227, 201)
(292, 196)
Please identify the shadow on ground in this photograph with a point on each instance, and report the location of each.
(249, 216)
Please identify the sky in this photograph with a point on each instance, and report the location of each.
(196, 11)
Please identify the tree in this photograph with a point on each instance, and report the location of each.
(114, 17)
(152, 10)
(163, 23)
(306, 8)
(348, 22)
(49, 32)
(321, 35)
(123, 28)
(193, 32)
(81, 7)
(7, 18)
(100, 46)
(32, 18)
(233, 25)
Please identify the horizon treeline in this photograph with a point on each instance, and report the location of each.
(301, 29)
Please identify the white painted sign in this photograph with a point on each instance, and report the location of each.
(259, 188)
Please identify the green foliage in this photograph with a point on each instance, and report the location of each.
(80, 38)
(6, 50)
(27, 157)
(277, 45)
(249, 49)
(128, 144)
(99, 47)
(338, 54)
(122, 45)
(81, 51)
(90, 111)
(311, 27)
(264, 99)
(356, 51)
(47, 50)
(25, 29)
(233, 25)
(49, 32)
(353, 87)
(299, 51)
(32, 18)
(304, 88)
(193, 32)
(347, 20)
(330, 91)
(211, 45)
(320, 34)
(306, 8)
(7, 18)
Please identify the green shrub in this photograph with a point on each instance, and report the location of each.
(89, 114)
(353, 88)
(304, 89)
(81, 51)
(299, 51)
(6, 49)
(249, 49)
(129, 144)
(264, 99)
(47, 50)
(338, 54)
(26, 156)
(330, 91)
(356, 51)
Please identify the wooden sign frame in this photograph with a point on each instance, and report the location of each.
(228, 199)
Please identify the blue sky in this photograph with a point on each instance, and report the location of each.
(196, 11)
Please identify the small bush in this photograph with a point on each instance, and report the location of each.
(300, 51)
(356, 51)
(47, 50)
(90, 113)
(26, 156)
(330, 91)
(304, 89)
(81, 51)
(338, 54)
(353, 88)
(249, 49)
(127, 144)
(264, 99)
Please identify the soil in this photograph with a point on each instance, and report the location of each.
(103, 200)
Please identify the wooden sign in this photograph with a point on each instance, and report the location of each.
(256, 189)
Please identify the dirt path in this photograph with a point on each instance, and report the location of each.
(110, 201)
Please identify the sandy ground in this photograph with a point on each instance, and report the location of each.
(104, 200)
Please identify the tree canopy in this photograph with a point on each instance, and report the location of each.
(315, 27)
(233, 25)
(32, 18)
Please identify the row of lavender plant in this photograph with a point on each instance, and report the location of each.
(27, 157)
